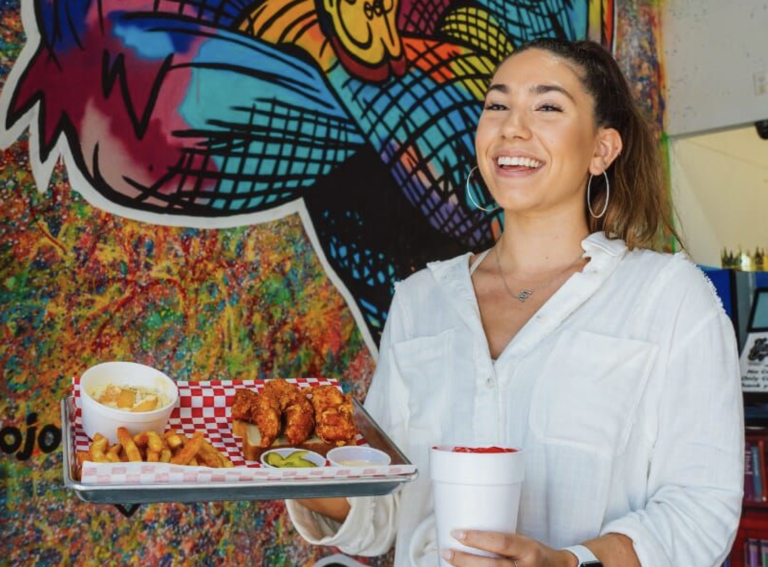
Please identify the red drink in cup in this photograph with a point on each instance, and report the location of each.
(475, 488)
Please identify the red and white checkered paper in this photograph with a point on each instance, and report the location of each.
(206, 406)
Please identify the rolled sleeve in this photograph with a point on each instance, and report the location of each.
(695, 477)
(368, 520)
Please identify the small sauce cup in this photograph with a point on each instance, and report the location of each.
(357, 456)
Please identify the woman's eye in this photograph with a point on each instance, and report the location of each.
(495, 106)
(550, 108)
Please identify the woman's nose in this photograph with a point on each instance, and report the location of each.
(515, 125)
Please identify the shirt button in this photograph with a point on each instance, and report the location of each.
(490, 382)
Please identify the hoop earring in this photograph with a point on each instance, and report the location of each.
(607, 196)
(472, 199)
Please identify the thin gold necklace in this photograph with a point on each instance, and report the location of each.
(525, 293)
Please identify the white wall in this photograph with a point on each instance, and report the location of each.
(720, 191)
(712, 50)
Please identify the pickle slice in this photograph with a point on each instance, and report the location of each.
(301, 463)
(297, 460)
(275, 460)
(296, 455)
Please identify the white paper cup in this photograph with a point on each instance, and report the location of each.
(474, 491)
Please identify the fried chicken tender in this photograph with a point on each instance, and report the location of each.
(279, 388)
(299, 419)
(242, 406)
(334, 415)
(336, 426)
(326, 397)
(296, 408)
(265, 413)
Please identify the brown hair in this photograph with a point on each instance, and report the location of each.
(639, 208)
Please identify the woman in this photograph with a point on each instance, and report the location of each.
(614, 366)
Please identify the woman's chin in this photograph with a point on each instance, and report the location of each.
(519, 206)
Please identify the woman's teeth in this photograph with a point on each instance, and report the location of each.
(518, 162)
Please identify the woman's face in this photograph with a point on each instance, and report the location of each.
(537, 137)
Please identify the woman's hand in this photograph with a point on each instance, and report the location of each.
(333, 508)
(515, 551)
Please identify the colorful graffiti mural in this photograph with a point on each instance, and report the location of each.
(242, 112)
(228, 189)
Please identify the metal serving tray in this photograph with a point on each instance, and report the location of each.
(244, 490)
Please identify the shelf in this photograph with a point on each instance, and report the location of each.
(753, 525)
(754, 515)
(752, 522)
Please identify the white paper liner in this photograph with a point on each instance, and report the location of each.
(162, 473)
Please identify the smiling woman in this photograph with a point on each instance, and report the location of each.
(601, 358)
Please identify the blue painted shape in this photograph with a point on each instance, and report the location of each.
(63, 23)
(150, 43)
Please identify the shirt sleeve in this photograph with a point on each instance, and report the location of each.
(695, 477)
(371, 526)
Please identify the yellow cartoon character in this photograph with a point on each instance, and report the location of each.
(361, 34)
(364, 32)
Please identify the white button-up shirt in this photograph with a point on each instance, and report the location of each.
(623, 390)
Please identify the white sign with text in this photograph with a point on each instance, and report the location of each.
(754, 363)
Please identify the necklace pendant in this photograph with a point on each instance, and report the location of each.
(523, 295)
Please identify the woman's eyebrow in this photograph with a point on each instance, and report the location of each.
(504, 89)
(543, 89)
(534, 90)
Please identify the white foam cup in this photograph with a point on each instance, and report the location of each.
(474, 491)
(99, 418)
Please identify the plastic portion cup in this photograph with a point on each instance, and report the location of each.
(474, 491)
(355, 456)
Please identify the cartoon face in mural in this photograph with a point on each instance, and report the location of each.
(366, 31)
(357, 114)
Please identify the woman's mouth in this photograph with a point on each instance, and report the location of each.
(518, 163)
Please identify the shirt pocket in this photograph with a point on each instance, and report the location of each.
(589, 390)
(424, 364)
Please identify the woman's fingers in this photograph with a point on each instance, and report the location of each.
(508, 545)
(462, 559)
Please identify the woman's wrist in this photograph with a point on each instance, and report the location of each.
(565, 559)
(336, 509)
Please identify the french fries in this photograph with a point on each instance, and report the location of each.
(211, 455)
(189, 451)
(173, 439)
(150, 447)
(98, 449)
(129, 445)
(113, 454)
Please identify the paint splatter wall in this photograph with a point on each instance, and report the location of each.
(211, 188)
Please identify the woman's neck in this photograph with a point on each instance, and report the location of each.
(534, 247)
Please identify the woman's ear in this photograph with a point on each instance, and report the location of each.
(607, 149)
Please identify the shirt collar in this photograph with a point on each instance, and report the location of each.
(595, 245)
(604, 253)
(445, 269)
(598, 242)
